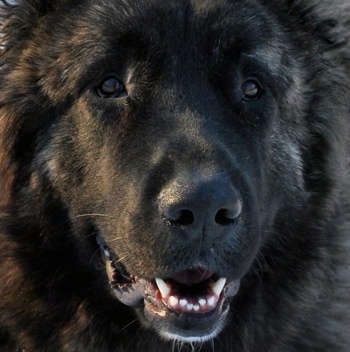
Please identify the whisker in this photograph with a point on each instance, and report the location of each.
(93, 214)
(123, 257)
(92, 262)
(212, 343)
(84, 238)
(127, 325)
(119, 238)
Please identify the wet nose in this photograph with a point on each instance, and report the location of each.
(205, 204)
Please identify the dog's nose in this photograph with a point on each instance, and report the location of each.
(202, 205)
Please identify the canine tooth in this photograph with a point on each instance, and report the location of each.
(202, 302)
(211, 301)
(173, 301)
(218, 286)
(189, 306)
(196, 307)
(183, 302)
(163, 287)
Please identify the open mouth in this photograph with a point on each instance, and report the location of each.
(192, 293)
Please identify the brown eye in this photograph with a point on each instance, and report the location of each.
(111, 87)
(250, 90)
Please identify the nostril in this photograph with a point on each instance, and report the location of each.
(186, 217)
(179, 217)
(205, 205)
(227, 216)
(222, 217)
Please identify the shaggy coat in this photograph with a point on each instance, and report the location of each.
(174, 175)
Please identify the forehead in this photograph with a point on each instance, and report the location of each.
(162, 41)
(182, 27)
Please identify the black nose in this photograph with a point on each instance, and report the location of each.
(198, 205)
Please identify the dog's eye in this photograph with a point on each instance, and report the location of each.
(251, 90)
(111, 87)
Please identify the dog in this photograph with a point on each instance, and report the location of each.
(174, 175)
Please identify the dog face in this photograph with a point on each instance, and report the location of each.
(172, 132)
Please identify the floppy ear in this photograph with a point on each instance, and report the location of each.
(329, 23)
(336, 35)
(18, 17)
(18, 20)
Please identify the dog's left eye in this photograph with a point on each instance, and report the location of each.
(251, 90)
(111, 87)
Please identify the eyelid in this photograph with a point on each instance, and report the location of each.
(117, 92)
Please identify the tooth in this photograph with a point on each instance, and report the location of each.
(211, 301)
(196, 307)
(163, 287)
(189, 306)
(173, 301)
(218, 286)
(202, 302)
(183, 302)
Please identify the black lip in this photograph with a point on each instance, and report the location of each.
(189, 325)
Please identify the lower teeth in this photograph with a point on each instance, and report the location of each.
(184, 305)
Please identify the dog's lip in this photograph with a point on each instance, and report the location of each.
(191, 291)
(192, 325)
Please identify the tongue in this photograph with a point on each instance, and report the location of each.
(192, 276)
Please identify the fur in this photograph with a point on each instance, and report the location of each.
(243, 100)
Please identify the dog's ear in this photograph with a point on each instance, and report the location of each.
(19, 17)
(335, 36)
(27, 11)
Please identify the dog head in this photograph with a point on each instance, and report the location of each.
(172, 131)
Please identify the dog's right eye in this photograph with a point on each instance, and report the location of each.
(111, 87)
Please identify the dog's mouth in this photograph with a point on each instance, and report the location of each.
(196, 292)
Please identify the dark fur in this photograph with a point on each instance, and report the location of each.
(66, 155)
